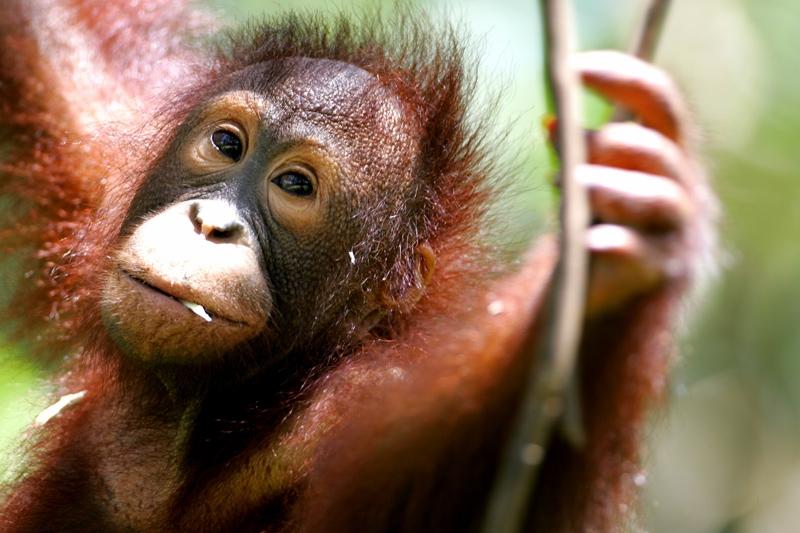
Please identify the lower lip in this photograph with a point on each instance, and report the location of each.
(172, 304)
(159, 298)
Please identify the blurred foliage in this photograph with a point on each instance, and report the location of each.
(725, 455)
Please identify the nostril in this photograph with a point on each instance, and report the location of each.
(217, 233)
(229, 232)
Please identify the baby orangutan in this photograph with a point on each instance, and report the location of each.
(268, 258)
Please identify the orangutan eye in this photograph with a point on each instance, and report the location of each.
(228, 143)
(294, 183)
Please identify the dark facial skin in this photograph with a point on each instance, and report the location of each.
(257, 212)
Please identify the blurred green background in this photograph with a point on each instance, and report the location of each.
(725, 455)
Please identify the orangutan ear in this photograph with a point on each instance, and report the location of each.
(384, 301)
(388, 301)
(426, 266)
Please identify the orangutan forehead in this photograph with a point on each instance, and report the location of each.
(334, 88)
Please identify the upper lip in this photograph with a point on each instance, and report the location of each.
(150, 285)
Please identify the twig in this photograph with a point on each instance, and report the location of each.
(644, 46)
(543, 401)
(552, 371)
(651, 28)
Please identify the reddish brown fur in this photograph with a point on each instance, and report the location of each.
(55, 170)
(414, 417)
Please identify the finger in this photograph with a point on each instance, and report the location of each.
(637, 85)
(633, 147)
(631, 198)
(622, 266)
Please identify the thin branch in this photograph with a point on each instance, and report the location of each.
(646, 41)
(552, 369)
(552, 378)
(650, 29)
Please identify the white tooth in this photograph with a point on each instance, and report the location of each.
(197, 309)
(63, 402)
